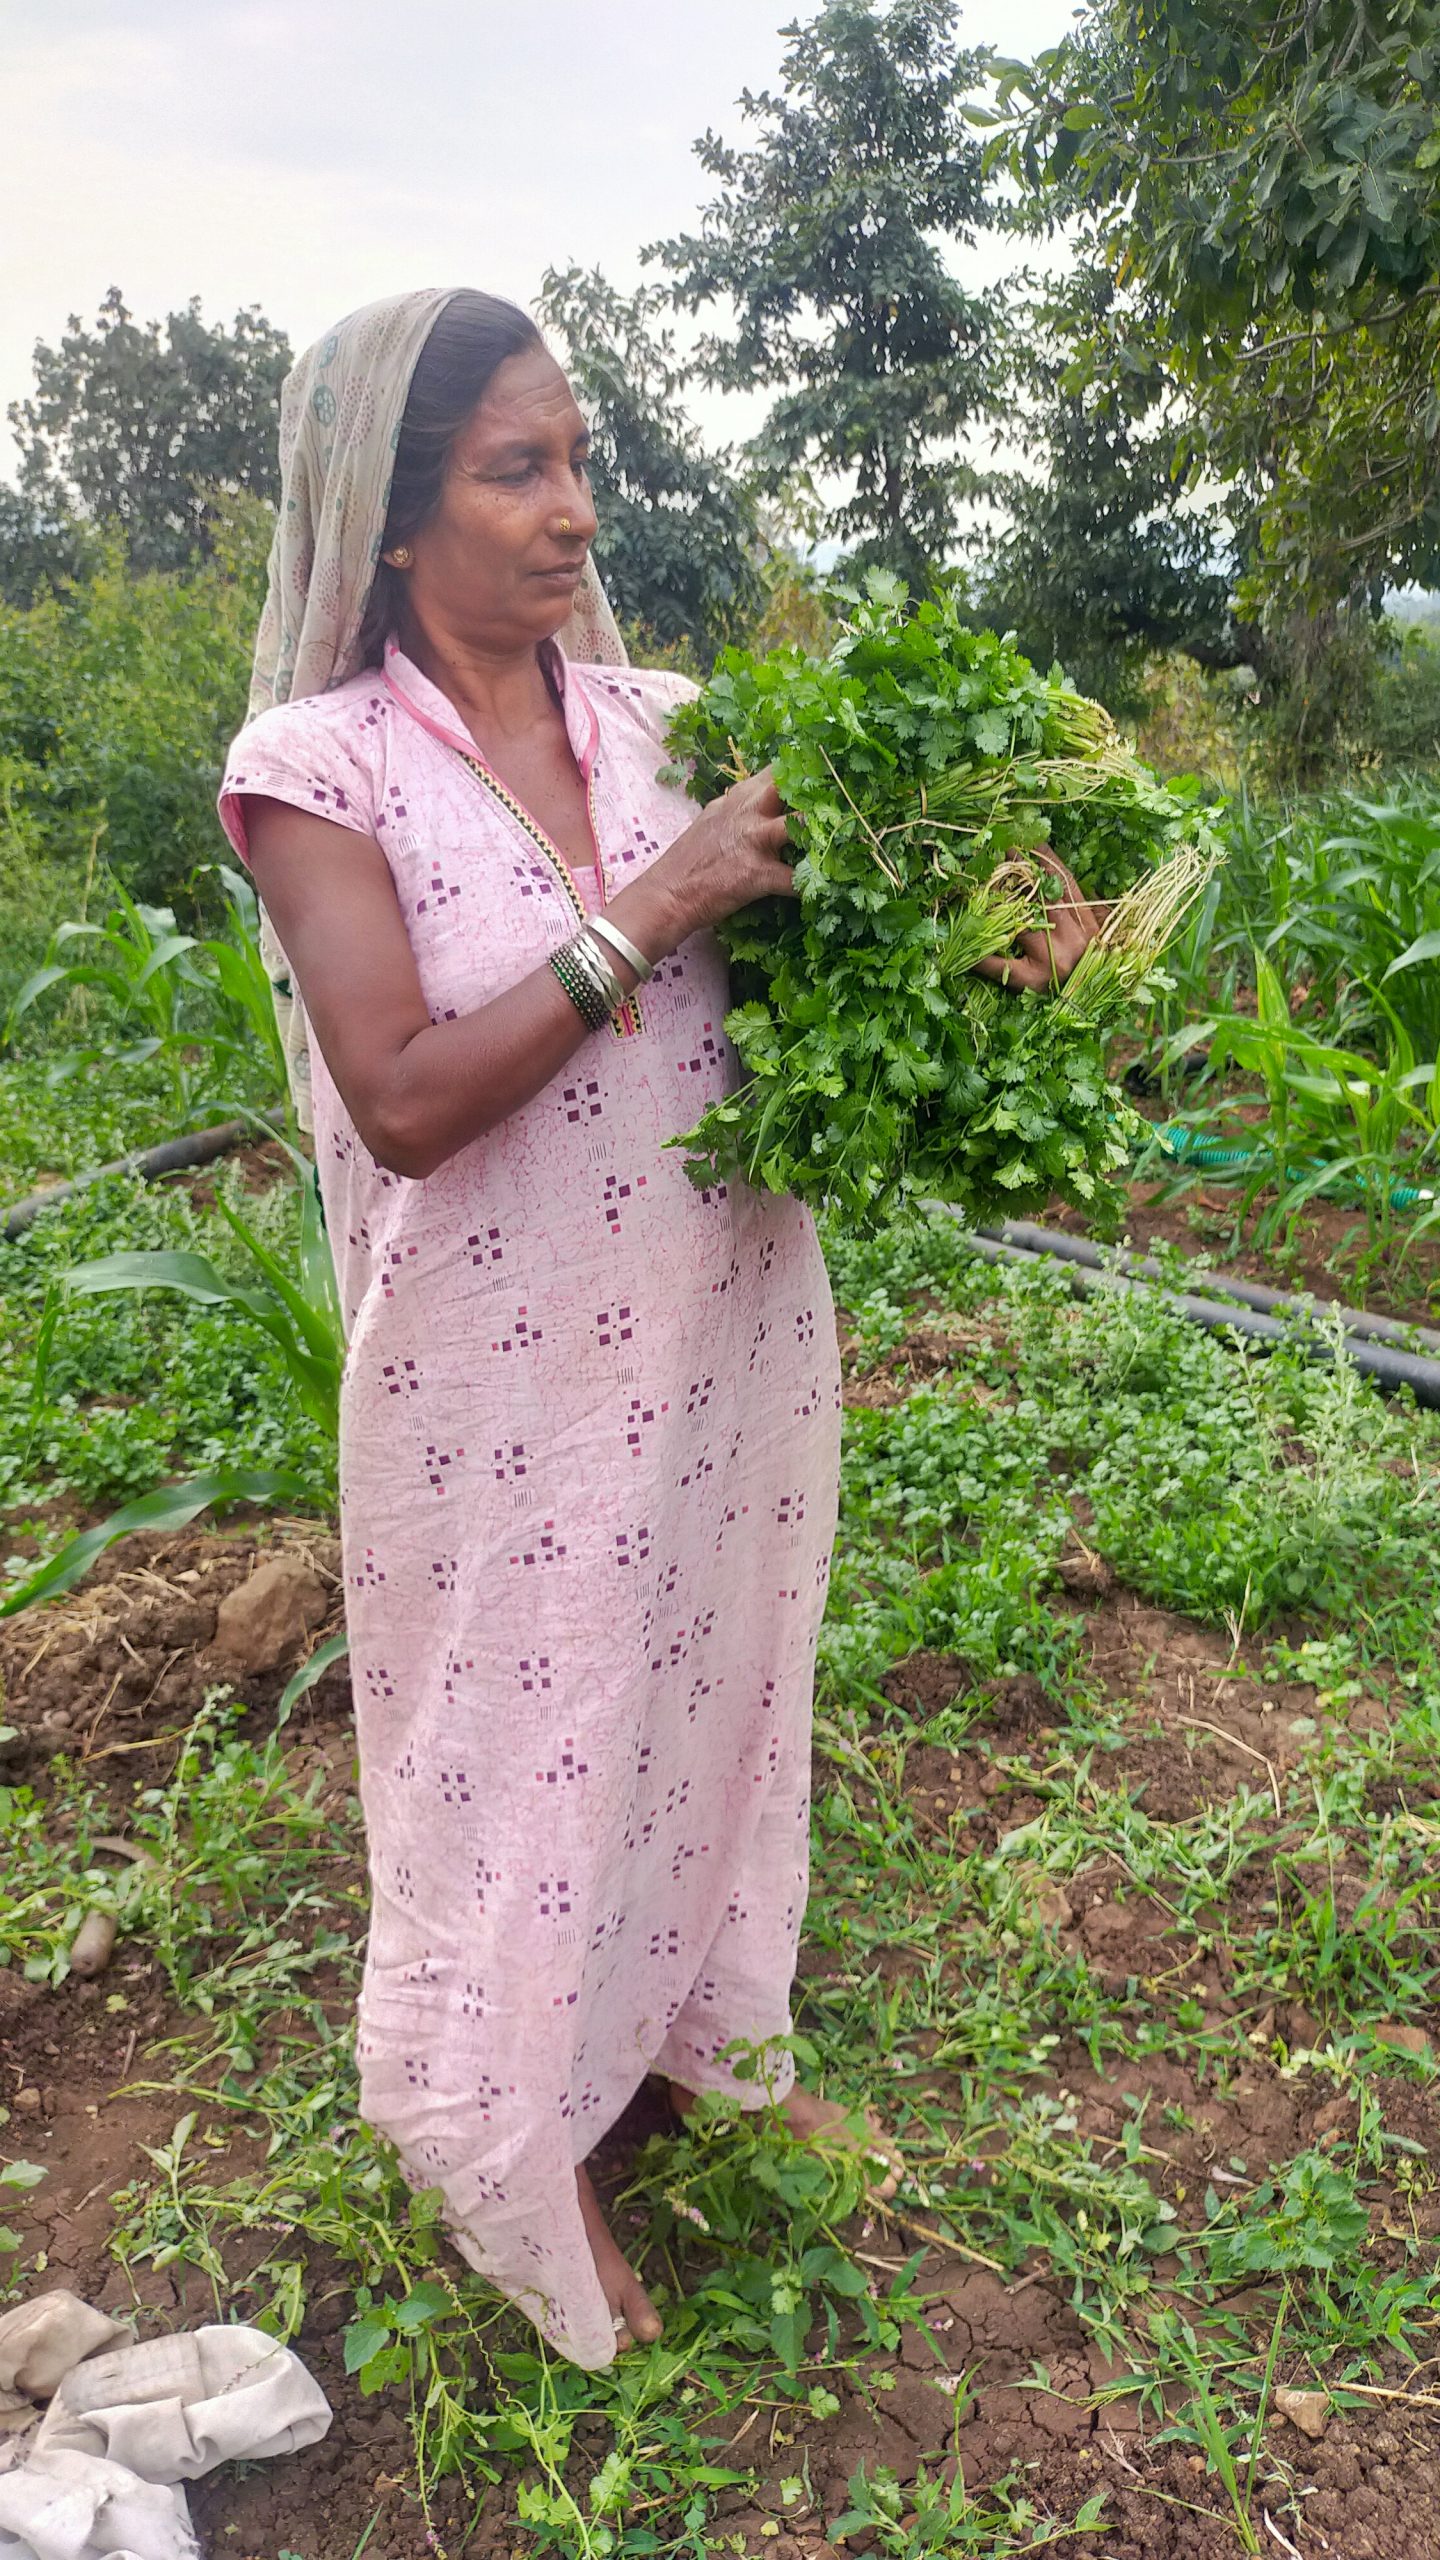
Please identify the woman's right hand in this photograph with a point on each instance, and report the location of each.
(730, 856)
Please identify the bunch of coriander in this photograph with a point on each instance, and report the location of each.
(921, 763)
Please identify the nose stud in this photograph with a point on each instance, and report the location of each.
(564, 524)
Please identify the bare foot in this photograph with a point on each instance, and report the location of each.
(637, 2322)
(828, 2125)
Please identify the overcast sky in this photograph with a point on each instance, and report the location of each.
(308, 155)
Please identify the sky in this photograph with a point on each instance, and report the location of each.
(310, 155)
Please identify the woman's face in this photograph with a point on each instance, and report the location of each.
(498, 563)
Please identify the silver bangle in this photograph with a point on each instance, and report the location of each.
(594, 962)
(644, 969)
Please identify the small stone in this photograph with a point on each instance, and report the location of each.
(1307, 2410)
(264, 1623)
(27, 2102)
(93, 1944)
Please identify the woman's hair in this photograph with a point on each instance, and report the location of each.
(471, 339)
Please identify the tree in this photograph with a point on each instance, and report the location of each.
(134, 425)
(1102, 561)
(823, 242)
(42, 545)
(1263, 181)
(679, 541)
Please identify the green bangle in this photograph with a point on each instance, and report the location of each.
(587, 1000)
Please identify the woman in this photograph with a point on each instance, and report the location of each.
(590, 1414)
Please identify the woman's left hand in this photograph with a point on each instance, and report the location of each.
(1043, 958)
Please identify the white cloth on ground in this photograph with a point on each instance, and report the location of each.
(96, 2479)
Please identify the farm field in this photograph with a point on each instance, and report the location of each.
(1124, 1916)
(995, 469)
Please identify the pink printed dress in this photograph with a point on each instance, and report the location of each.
(589, 1447)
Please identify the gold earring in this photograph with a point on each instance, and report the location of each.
(564, 524)
(401, 556)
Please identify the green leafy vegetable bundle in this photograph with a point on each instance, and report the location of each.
(922, 763)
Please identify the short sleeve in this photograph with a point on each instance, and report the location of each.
(299, 753)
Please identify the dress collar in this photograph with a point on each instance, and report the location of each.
(426, 703)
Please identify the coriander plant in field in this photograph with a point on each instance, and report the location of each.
(923, 764)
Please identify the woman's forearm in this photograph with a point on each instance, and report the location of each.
(454, 1081)
(417, 1090)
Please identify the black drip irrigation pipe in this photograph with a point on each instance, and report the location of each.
(1388, 1367)
(1214, 1284)
(177, 1155)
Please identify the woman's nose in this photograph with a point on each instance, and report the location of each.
(575, 515)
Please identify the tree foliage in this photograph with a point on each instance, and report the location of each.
(1263, 182)
(678, 536)
(117, 702)
(1102, 561)
(41, 546)
(823, 245)
(136, 425)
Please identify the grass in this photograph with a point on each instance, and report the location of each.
(133, 1390)
(1284, 1507)
(1274, 1900)
(1311, 966)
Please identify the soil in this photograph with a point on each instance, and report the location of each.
(112, 1675)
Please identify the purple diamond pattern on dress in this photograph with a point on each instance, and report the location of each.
(439, 892)
(393, 1262)
(638, 1420)
(438, 1463)
(583, 1102)
(615, 1194)
(401, 1377)
(545, 1548)
(632, 1546)
(707, 1055)
(535, 1672)
(455, 1787)
(570, 1766)
(553, 1895)
(619, 1327)
(485, 1248)
(510, 1463)
(522, 1336)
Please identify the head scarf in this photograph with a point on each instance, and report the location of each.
(341, 409)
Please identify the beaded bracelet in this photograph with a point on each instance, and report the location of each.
(586, 998)
(588, 980)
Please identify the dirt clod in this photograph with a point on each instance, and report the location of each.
(1307, 2410)
(265, 1621)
